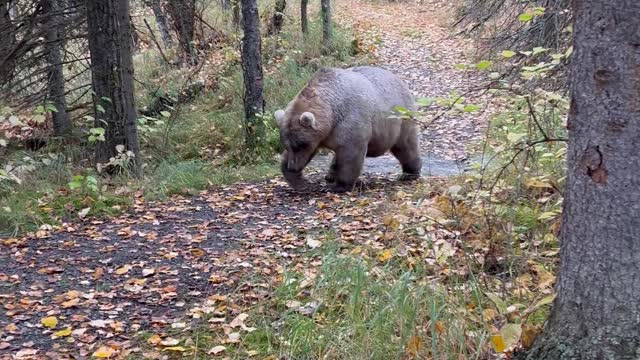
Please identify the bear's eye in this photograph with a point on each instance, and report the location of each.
(299, 145)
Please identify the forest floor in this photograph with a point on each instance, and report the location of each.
(92, 287)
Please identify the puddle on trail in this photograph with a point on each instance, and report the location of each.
(388, 165)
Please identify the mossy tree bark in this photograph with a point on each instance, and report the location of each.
(596, 314)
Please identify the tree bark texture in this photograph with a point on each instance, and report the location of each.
(325, 8)
(252, 72)
(235, 8)
(161, 22)
(112, 78)
(278, 17)
(7, 43)
(183, 13)
(596, 314)
(55, 76)
(304, 20)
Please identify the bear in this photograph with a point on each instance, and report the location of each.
(349, 111)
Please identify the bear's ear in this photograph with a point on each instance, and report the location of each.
(279, 115)
(307, 119)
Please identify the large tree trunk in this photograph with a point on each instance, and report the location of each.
(161, 21)
(183, 13)
(278, 17)
(55, 85)
(326, 24)
(7, 43)
(112, 76)
(596, 314)
(304, 20)
(252, 72)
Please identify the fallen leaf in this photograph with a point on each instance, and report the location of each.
(123, 270)
(175, 348)
(216, 350)
(239, 320)
(385, 255)
(169, 342)
(414, 345)
(70, 303)
(148, 272)
(529, 333)
(50, 322)
(312, 243)
(104, 352)
(155, 339)
(234, 337)
(63, 333)
(498, 343)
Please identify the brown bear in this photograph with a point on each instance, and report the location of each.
(348, 111)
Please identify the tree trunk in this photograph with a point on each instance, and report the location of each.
(596, 314)
(326, 24)
(161, 21)
(236, 13)
(183, 13)
(278, 18)
(304, 20)
(112, 79)
(55, 78)
(7, 43)
(252, 72)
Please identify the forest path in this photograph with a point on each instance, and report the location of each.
(411, 39)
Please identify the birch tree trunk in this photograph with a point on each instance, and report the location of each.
(596, 314)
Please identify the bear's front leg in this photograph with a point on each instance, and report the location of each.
(349, 163)
(333, 170)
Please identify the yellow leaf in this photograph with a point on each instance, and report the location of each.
(175, 348)
(535, 183)
(154, 340)
(104, 352)
(440, 327)
(63, 333)
(414, 345)
(498, 343)
(385, 255)
(50, 322)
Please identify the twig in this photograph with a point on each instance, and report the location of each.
(155, 41)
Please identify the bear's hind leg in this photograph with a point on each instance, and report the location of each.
(409, 157)
(349, 164)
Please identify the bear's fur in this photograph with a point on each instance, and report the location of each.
(348, 111)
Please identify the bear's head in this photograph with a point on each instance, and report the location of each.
(300, 136)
